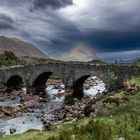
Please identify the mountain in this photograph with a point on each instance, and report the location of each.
(97, 61)
(80, 53)
(20, 47)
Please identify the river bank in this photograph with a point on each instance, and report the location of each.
(119, 122)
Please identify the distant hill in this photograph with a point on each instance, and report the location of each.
(20, 47)
(79, 52)
(97, 62)
(135, 61)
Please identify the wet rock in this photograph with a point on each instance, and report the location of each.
(30, 98)
(42, 100)
(49, 127)
(87, 87)
(10, 110)
(12, 130)
(88, 110)
(75, 100)
(2, 98)
(66, 108)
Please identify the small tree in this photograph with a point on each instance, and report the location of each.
(10, 55)
(111, 80)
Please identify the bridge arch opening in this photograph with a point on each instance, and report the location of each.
(40, 82)
(55, 88)
(78, 87)
(49, 84)
(88, 85)
(14, 82)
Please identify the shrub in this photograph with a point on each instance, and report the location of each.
(8, 58)
(111, 80)
(10, 55)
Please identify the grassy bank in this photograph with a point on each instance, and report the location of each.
(127, 126)
(135, 80)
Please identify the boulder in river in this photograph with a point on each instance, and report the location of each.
(11, 110)
(12, 130)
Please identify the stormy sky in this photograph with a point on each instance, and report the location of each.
(110, 28)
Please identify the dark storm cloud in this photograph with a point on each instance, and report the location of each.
(63, 37)
(6, 22)
(55, 4)
(99, 40)
(113, 40)
(57, 25)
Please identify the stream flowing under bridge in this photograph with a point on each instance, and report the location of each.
(73, 75)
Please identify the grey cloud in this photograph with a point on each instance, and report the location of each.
(55, 4)
(106, 14)
(6, 18)
(5, 25)
(6, 22)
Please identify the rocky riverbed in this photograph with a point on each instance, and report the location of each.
(93, 87)
(24, 113)
(21, 113)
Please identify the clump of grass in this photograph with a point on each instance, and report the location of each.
(103, 129)
(134, 80)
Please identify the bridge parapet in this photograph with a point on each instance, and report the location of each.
(68, 72)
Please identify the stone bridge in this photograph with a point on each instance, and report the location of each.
(72, 74)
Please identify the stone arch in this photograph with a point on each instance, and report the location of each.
(78, 86)
(40, 81)
(14, 82)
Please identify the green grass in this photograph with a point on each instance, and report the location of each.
(131, 104)
(136, 80)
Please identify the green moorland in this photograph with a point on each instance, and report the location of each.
(120, 121)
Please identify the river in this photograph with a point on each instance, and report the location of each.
(27, 121)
